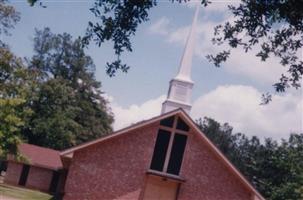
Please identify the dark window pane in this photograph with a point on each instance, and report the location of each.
(160, 150)
(168, 121)
(176, 155)
(181, 125)
(24, 175)
(54, 183)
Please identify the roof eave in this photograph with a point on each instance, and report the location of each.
(121, 131)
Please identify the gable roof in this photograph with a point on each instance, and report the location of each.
(121, 131)
(41, 156)
(192, 124)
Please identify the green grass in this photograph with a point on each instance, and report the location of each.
(22, 194)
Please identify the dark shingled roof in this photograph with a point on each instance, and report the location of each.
(41, 156)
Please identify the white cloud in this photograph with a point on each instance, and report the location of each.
(179, 36)
(214, 6)
(239, 106)
(160, 27)
(107, 97)
(221, 5)
(252, 67)
(135, 113)
(240, 63)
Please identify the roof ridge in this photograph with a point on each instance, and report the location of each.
(121, 131)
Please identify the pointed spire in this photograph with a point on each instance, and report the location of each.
(180, 87)
(186, 62)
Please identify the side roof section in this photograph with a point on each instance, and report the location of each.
(41, 156)
(192, 124)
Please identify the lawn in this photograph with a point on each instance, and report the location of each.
(22, 194)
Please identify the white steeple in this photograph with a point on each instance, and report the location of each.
(180, 87)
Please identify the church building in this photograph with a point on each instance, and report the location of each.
(166, 157)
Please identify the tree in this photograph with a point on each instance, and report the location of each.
(55, 101)
(53, 122)
(119, 21)
(279, 168)
(13, 109)
(276, 170)
(223, 136)
(8, 18)
(68, 107)
(274, 27)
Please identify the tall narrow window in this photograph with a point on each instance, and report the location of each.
(160, 150)
(54, 182)
(170, 145)
(24, 175)
(176, 155)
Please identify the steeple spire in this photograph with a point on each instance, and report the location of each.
(186, 61)
(179, 93)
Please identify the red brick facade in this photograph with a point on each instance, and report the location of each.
(39, 178)
(206, 176)
(13, 173)
(116, 169)
(41, 163)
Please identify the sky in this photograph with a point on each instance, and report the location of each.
(229, 94)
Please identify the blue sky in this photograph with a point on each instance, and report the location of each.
(228, 94)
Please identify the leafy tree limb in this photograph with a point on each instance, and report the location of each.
(275, 28)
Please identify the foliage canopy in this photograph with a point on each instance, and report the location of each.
(68, 105)
(274, 28)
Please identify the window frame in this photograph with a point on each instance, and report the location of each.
(173, 131)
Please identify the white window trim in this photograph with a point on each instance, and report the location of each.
(173, 132)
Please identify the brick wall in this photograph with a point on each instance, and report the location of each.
(39, 178)
(115, 169)
(13, 173)
(207, 176)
